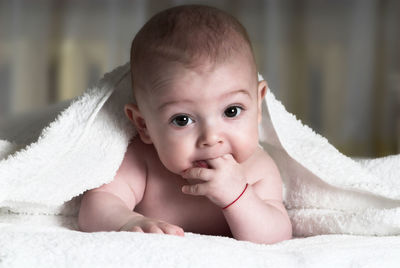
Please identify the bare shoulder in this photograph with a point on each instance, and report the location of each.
(129, 182)
(268, 185)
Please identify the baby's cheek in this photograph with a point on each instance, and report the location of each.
(246, 146)
(174, 157)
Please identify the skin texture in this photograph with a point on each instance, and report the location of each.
(197, 148)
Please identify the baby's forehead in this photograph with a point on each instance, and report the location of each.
(173, 74)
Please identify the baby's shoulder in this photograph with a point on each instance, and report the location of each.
(137, 149)
(269, 183)
(129, 181)
(263, 162)
(133, 168)
(140, 154)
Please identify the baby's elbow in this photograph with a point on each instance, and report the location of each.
(84, 217)
(287, 232)
(286, 227)
(83, 222)
(81, 226)
(280, 234)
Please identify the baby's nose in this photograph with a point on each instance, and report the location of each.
(209, 137)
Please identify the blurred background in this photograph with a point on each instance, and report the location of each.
(334, 64)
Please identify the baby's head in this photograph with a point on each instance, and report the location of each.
(194, 79)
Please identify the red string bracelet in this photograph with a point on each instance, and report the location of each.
(237, 197)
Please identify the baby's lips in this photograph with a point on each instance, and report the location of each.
(197, 164)
(201, 164)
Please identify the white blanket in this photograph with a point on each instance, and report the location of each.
(53, 156)
(25, 246)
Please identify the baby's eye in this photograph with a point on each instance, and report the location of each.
(181, 120)
(233, 111)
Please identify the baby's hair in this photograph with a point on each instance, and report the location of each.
(188, 35)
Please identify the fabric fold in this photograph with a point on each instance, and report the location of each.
(84, 142)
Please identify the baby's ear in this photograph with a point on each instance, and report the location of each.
(135, 116)
(261, 91)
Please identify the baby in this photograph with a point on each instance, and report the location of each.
(196, 164)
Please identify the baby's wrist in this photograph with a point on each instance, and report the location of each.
(131, 221)
(237, 198)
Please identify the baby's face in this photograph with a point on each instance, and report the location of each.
(195, 115)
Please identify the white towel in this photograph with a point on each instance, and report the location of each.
(84, 142)
(27, 246)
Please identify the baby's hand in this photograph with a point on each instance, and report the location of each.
(223, 182)
(147, 225)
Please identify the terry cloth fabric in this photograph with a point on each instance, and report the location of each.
(48, 159)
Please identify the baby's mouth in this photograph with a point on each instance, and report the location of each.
(201, 164)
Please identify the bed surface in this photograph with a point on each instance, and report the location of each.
(24, 245)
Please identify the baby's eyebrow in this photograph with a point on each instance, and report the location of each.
(162, 106)
(243, 91)
(239, 91)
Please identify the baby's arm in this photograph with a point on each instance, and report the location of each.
(260, 215)
(103, 211)
(110, 207)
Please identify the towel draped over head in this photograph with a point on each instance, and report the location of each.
(57, 154)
